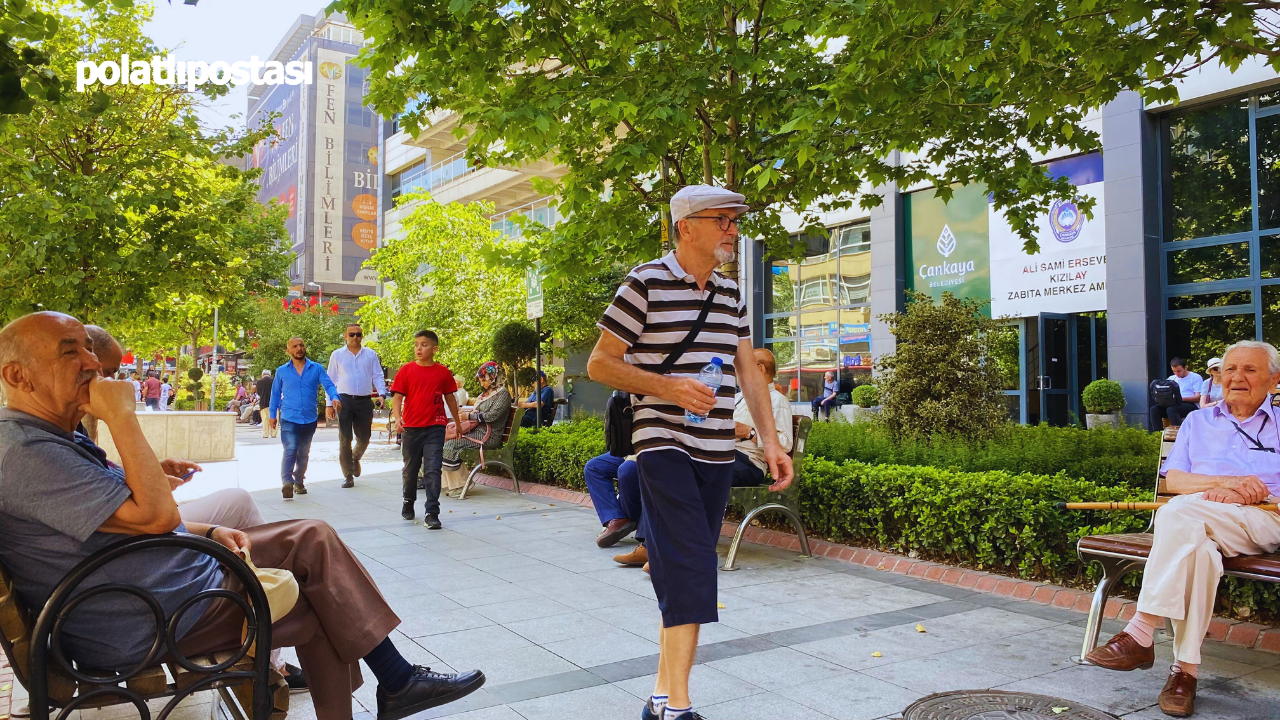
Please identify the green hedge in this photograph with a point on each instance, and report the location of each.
(556, 455)
(1104, 456)
(990, 520)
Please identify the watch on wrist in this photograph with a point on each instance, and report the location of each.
(209, 533)
(752, 436)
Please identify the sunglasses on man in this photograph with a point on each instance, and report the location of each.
(359, 334)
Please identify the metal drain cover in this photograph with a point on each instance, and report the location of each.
(997, 705)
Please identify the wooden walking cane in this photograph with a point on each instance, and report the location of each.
(1270, 507)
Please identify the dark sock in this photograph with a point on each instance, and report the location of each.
(389, 666)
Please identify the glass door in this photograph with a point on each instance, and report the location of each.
(1057, 376)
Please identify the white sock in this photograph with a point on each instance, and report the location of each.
(658, 702)
(670, 713)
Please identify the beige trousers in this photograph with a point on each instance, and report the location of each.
(1180, 581)
(453, 479)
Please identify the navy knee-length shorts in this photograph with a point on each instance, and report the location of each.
(684, 501)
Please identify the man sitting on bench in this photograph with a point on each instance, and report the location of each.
(748, 456)
(61, 500)
(1225, 459)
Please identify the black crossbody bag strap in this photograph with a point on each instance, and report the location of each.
(670, 361)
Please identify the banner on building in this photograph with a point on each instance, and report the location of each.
(947, 243)
(1069, 274)
(327, 182)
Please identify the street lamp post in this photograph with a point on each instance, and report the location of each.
(319, 291)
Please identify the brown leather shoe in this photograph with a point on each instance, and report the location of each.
(614, 531)
(1178, 698)
(1122, 652)
(635, 558)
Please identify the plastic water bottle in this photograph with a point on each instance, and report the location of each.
(711, 376)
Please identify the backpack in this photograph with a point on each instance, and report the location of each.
(1166, 393)
(618, 413)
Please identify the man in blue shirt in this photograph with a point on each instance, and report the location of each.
(544, 396)
(293, 406)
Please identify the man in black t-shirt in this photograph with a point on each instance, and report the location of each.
(263, 388)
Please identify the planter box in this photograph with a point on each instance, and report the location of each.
(1095, 421)
(182, 435)
(861, 414)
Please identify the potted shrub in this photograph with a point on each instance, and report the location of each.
(866, 401)
(1103, 400)
(196, 388)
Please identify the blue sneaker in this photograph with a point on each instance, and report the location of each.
(648, 713)
(690, 715)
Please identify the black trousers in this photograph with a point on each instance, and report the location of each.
(1175, 413)
(423, 450)
(745, 472)
(355, 418)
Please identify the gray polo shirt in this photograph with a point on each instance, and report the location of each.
(56, 489)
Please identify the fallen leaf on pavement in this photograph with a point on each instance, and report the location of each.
(919, 627)
(1059, 710)
(720, 605)
(876, 654)
(499, 517)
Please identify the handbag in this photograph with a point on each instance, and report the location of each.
(281, 589)
(451, 430)
(620, 411)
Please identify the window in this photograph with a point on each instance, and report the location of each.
(1221, 265)
(358, 153)
(359, 115)
(409, 179)
(818, 311)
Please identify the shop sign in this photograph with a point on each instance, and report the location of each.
(1069, 274)
(948, 243)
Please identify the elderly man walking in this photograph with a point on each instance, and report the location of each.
(1224, 460)
(357, 373)
(293, 406)
(686, 466)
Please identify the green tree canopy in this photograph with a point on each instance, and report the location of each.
(802, 104)
(320, 326)
(114, 202)
(438, 279)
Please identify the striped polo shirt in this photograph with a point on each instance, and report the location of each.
(652, 312)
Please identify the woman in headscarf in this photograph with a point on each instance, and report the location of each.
(490, 415)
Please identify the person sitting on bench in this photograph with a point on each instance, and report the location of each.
(541, 395)
(827, 398)
(748, 457)
(62, 500)
(1224, 460)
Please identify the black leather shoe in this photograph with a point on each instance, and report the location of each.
(426, 690)
(406, 510)
(432, 521)
(348, 482)
(296, 680)
(300, 489)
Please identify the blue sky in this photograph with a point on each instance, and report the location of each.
(227, 30)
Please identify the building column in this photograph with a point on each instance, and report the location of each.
(886, 267)
(1130, 316)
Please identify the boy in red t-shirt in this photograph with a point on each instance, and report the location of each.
(419, 393)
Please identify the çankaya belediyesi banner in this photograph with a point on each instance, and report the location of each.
(168, 70)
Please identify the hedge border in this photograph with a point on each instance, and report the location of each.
(1223, 630)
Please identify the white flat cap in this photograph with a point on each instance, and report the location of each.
(693, 199)
(1214, 363)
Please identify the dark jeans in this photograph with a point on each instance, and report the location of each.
(296, 438)
(422, 449)
(600, 474)
(825, 404)
(745, 472)
(153, 403)
(1175, 413)
(355, 417)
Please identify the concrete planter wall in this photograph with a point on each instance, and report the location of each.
(1095, 421)
(182, 435)
(861, 414)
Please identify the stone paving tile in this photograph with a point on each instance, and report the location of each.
(559, 628)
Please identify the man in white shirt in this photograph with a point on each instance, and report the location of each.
(357, 373)
(748, 456)
(1189, 385)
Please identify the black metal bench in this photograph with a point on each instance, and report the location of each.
(757, 500)
(34, 648)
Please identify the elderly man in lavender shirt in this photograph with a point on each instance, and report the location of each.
(1224, 460)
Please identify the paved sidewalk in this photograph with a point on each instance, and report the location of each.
(515, 586)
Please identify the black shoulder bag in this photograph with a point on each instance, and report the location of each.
(619, 412)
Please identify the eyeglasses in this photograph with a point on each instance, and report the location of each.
(359, 334)
(723, 222)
